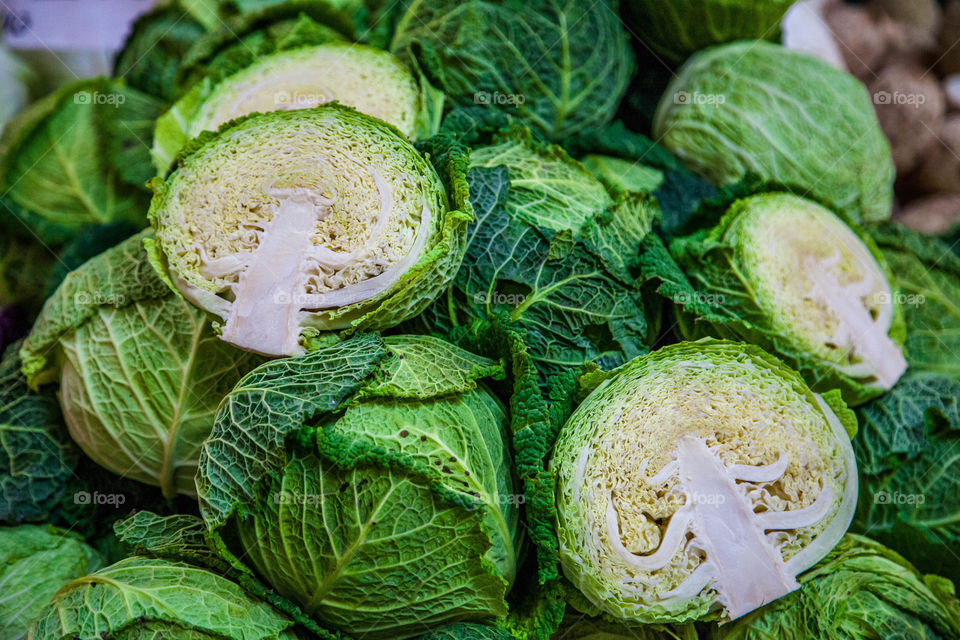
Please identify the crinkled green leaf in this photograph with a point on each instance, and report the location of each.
(154, 50)
(467, 631)
(679, 192)
(910, 474)
(141, 596)
(928, 276)
(559, 65)
(425, 367)
(268, 406)
(561, 267)
(240, 40)
(176, 537)
(37, 458)
(35, 561)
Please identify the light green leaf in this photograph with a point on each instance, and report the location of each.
(35, 561)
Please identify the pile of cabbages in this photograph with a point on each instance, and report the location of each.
(472, 320)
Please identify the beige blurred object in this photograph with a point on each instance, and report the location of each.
(935, 214)
(863, 37)
(911, 107)
(949, 40)
(939, 169)
(915, 23)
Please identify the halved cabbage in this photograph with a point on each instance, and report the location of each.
(787, 274)
(307, 221)
(701, 477)
(370, 80)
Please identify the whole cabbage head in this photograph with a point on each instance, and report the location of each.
(369, 482)
(140, 370)
(557, 66)
(370, 80)
(697, 482)
(677, 29)
(308, 221)
(787, 117)
(76, 159)
(787, 274)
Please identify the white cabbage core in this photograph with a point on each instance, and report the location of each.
(270, 226)
(370, 80)
(822, 284)
(696, 482)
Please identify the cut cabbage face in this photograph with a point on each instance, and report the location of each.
(320, 219)
(698, 481)
(372, 81)
(819, 285)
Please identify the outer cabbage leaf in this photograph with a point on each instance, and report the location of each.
(551, 248)
(679, 192)
(927, 274)
(678, 29)
(910, 475)
(559, 65)
(861, 591)
(151, 56)
(35, 561)
(152, 598)
(141, 372)
(755, 107)
(579, 626)
(240, 40)
(76, 158)
(467, 631)
(393, 488)
(38, 457)
(781, 272)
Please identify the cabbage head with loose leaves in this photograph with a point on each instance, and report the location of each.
(141, 372)
(555, 251)
(369, 482)
(697, 482)
(290, 224)
(558, 66)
